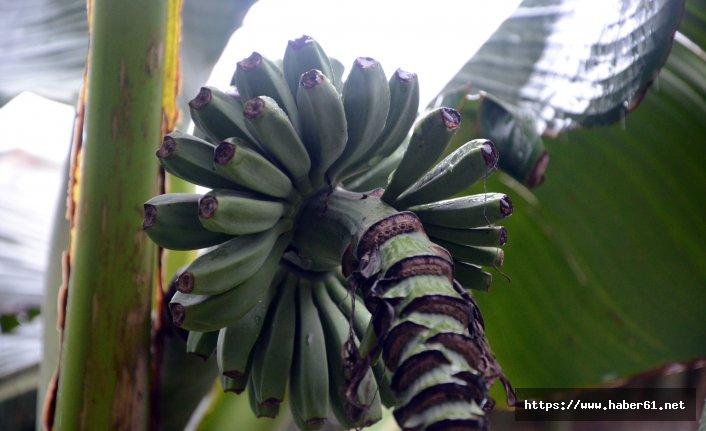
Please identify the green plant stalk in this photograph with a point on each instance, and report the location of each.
(105, 360)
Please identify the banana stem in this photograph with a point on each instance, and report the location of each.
(328, 222)
(104, 371)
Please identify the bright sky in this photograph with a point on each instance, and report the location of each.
(432, 39)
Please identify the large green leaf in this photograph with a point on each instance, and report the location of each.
(557, 65)
(44, 44)
(606, 258)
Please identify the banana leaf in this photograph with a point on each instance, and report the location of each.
(606, 258)
(555, 65)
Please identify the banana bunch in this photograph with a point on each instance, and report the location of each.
(268, 295)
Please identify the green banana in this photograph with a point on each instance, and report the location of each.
(234, 160)
(309, 377)
(259, 409)
(202, 344)
(172, 221)
(472, 276)
(467, 211)
(324, 127)
(234, 384)
(485, 256)
(239, 213)
(229, 264)
(277, 135)
(257, 76)
(191, 159)
(304, 54)
(235, 342)
(379, 175)
(342, 298)
(337, 69)
(273, 353)
(368, 409)
(431, 136)
(219, 115)
(491, 236)
(366, 99)
(459, 170)
(213, 312)
(404, 104)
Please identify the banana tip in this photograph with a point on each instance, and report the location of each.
(207, 206)
(167, 148)
(301, 42)
(185, 282)
(150, 216)
(202, 99)
(224, 153)
(178, 313)
(250, 62)
(451, 118)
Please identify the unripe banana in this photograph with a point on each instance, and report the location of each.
(236, 342)
(171, 220)
(201, 344)
(304, 54)
(259, 409)
(276, 134)
(273, 353)
(431, 136)
(491, 236)
(234, 384)
(367, 409)
(464, 212)
(404, 104)
(219, 115)
(324, 127)
(234, 160)
(239, 213)
(191, 159)
(472, 276)
(459, 170)
(485, 256)
(258, 76)
(213, 312)
(309, 379)
(366, 99)
(229, 264)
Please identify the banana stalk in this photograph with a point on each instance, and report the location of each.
(105, 355)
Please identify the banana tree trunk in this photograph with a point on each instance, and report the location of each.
(105, 360)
